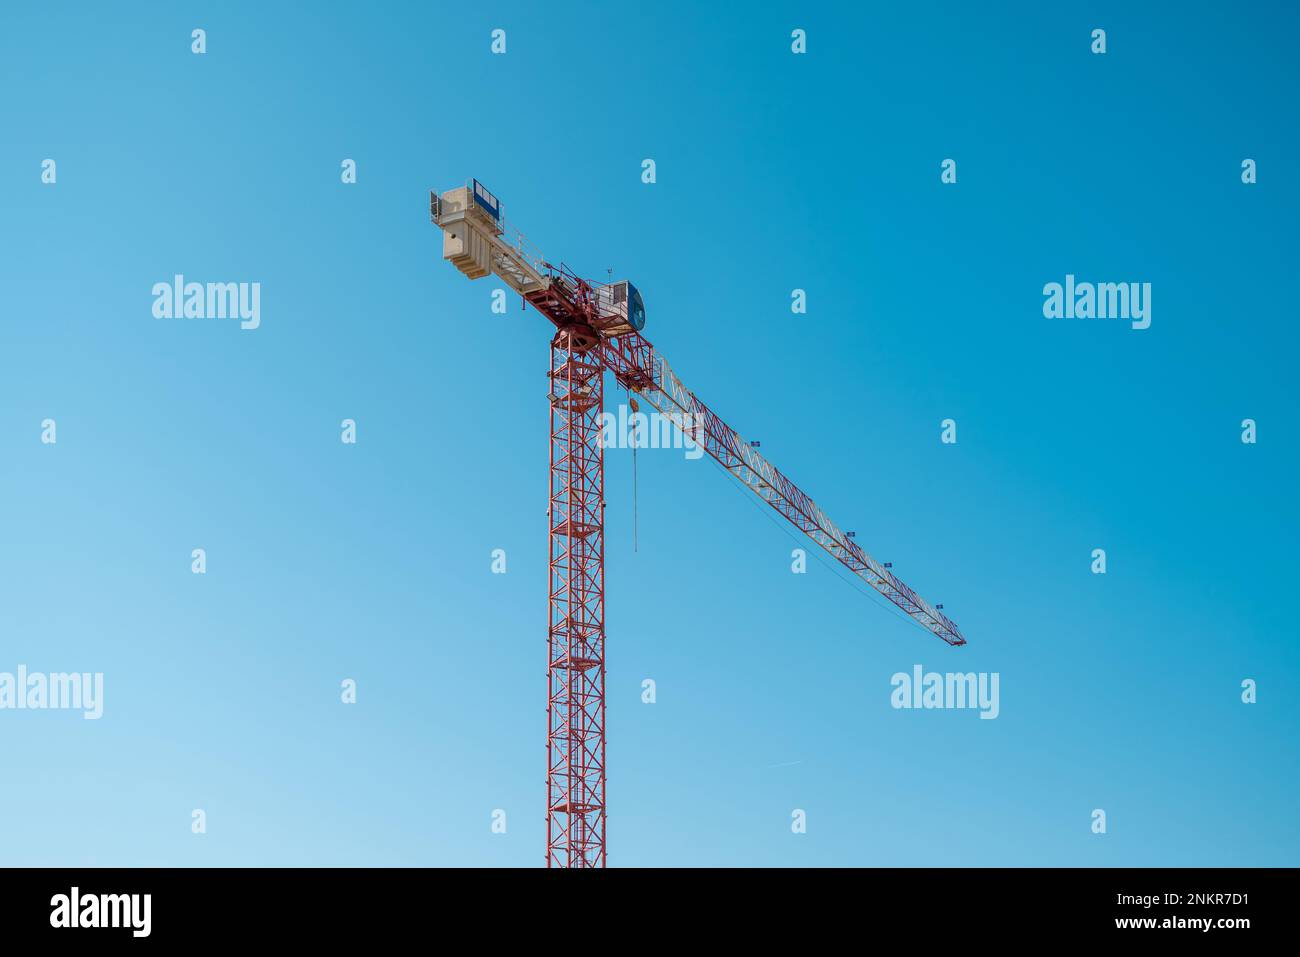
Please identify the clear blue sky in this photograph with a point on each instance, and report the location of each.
(775, 172)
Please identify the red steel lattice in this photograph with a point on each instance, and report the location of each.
(575, 742)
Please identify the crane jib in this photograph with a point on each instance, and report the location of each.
(625, 357)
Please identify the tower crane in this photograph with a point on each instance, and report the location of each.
(597, 330)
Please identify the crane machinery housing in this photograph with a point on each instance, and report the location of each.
(597, 330)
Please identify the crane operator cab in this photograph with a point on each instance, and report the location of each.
(621, 308)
